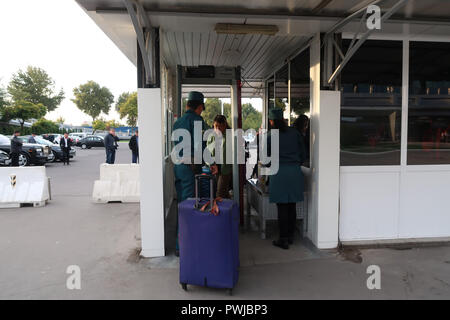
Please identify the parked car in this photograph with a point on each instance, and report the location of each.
(91, 141)
(56, 149)
(52, 137)
(46, 147)
(5, 160)
(31, 153)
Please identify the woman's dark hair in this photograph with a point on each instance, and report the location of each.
(222, 120)
(300, 123)
(193, 104)
(279, 124)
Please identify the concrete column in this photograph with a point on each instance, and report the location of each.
(325, 139)
(151, 172)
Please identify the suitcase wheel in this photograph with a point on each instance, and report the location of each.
(230, 292)
(184, 286)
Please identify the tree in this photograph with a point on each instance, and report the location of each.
(128, 108)
(35, 85)
(98, 124)
(112, 124)
(60, 120)
(23, 111)
(93, 99)
(251, 118)
(122, 99)
(3, 101)
(44, 126)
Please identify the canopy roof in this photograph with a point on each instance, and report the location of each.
(188, 36)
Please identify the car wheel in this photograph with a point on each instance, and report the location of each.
(24, 160)
(83, 146)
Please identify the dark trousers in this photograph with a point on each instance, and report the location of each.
(287, 217)
(110, 156)
(66, 155)
(134, 157)
(15, 159)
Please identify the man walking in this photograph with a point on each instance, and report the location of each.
(111, 146)
(65, 143)
(16, 149)
(32, 139)
(134, 147)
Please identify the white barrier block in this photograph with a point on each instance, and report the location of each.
(118, 182)
(23, 185)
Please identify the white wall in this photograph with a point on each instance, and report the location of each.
(325, 134)
(392, 203)
(151, 172)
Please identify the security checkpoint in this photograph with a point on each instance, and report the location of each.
(378, 148)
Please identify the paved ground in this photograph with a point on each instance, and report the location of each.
(38, 244)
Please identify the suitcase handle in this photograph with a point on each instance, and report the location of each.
(199, 177)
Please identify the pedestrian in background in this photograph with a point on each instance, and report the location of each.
(31, 139)
(65, 143)
(134, 147)
(111, 146)
(16, 149)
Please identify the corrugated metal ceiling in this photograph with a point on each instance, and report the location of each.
(256, 54)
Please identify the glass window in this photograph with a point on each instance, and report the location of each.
(281, 90)
(429, 103)
(371, 103)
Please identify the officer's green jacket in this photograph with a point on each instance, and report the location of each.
(187, 122)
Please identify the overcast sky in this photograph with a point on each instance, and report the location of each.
(59, 37)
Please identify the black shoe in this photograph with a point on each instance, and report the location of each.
(290, 241)
(177, 253)
(283, 244)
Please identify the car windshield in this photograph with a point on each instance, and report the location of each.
(4, 139)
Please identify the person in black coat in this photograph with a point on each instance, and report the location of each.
(111, 146)
(31, 139)
(134, 147)
(65, 143)
(16, 149)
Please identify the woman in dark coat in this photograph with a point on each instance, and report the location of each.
(286, 187)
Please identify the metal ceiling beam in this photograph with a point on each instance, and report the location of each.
(145, 35)
(352, 50)
(321, 6)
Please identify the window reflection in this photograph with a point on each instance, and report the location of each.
(371, 104)
(429, 103)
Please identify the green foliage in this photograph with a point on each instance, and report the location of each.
(102, 124)
(35, 86)
(251, 118)
(122, 99)
(3, 101)
(128, 108)
(112, 124)
(60, 120)
(99, 124)
(213, 107)
(44, 126)
(23, 111)
(93, 99)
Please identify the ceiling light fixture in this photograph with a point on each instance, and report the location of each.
(232, 28)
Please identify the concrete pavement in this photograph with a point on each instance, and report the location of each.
(38, 244)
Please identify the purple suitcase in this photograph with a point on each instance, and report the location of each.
(209, 245)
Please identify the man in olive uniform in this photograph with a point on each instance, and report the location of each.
(185, 172)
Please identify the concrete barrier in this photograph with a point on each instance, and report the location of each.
(23, 186)
(118, 183)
